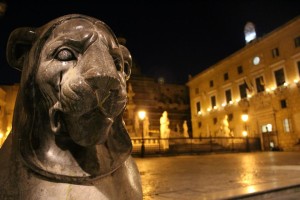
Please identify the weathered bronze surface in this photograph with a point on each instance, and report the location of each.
(68, 139)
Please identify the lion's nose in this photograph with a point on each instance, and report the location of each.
(103, 82)
(110, 98)
(103, 85)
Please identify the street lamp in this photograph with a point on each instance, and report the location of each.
(245, 117)
(142, 115)
(245, 131)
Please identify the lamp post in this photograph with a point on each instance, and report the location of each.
(245, 131)
(142, 115)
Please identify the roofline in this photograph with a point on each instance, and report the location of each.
(250, 45)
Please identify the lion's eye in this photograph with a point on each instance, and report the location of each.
(65, 55)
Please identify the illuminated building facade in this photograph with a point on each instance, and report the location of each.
(260, 80)
(8, 96)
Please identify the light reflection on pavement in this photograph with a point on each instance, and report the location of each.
(194, 176)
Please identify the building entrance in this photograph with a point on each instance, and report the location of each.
(269, 137)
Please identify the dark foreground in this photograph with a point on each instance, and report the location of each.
(221, 176)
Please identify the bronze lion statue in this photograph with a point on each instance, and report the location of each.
(68, 138)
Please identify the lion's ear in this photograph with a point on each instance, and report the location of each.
(127, 61)
(19, 43)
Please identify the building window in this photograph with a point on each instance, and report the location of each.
(279, 77)
(260, 84)
(230, 117)
(266, 128)
(198, 107)
(213, 101)
(228, 96)
(297, 41)
(243, 92)
(211, 83)
(196, 90)
(275, 52)
(199, 124)
(240, 69)
(286, 125)
(283, 103)
(215, 120)
(226, 76)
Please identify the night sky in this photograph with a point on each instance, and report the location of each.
(169, 39)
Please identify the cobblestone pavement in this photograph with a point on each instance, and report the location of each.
(217, 176)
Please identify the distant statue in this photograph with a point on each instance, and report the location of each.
(185, 129)
(146, 125)
(177, 128)
(164, 125)
(225, 127)
(68, 137)
(164, 130)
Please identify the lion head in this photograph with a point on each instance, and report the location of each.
(67, 122)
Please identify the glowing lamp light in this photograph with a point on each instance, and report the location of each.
(223, 104)
(230, 102)
(245, 133)
(208, 109)
(296, 80)
(142, 114)
(285, 84)
(245, 117)
(199, 113)
(215, 107)
(1, 135)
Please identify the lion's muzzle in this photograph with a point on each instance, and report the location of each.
(109, 93)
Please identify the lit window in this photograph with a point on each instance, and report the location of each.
(243, 92)
(226, 76)
(286, 125)
(240, 69)
(260, 84)
(213, 101)
(266, 128)
(275, 52)
(297, 41)
(279, 77)
(228, 96)
(198, 107)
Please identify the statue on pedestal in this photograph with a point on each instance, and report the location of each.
(185, 129)
(68, 139)
(164, 130)
(225, 127)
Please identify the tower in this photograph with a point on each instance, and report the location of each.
(249, 31)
